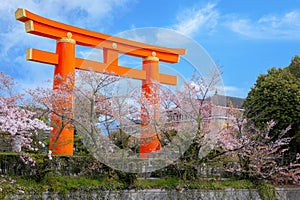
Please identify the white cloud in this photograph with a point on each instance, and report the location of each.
(286, 26)
(75, 12)
(91, 15)
(171, 38)
(90, 54)
(136, 34)
(191, 21)
(94, 15)
(232, 91)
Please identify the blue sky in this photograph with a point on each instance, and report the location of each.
(245, 37)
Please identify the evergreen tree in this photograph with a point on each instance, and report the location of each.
(294, 67)
(276, 96)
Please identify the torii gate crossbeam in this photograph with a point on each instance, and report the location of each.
(65, 62)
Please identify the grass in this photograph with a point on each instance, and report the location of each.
(166, 183)
(56, 183)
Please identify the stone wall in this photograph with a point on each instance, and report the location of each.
(153, 194)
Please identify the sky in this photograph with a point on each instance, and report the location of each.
(244, 37)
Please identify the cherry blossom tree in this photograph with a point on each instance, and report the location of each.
(55, 106)
(104, 107)
(90, 98)
(192, 105)
(18, 125)
(257, 155)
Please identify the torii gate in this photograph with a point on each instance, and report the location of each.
(65, 62)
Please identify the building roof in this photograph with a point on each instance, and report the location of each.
(222, 100)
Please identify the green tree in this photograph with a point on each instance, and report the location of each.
(294, 67)
(276, 96)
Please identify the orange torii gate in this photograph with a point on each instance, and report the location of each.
(65, 62)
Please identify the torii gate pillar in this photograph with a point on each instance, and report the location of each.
(62, 134)
(150, 138)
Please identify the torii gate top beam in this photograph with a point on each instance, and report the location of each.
(41, 26)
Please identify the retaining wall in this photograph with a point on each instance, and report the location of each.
(153, 194)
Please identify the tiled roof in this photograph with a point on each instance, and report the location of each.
(222, 100)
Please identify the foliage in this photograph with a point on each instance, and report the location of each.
(201, 183)
(194, 103)
(257, 155)
(120, 139)
(61, 184)
(266, 191)
(165, 183)
(294, 67)
(79, 148)
(58, 183)
(18, 125)
(275, 96)
(103, 178)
